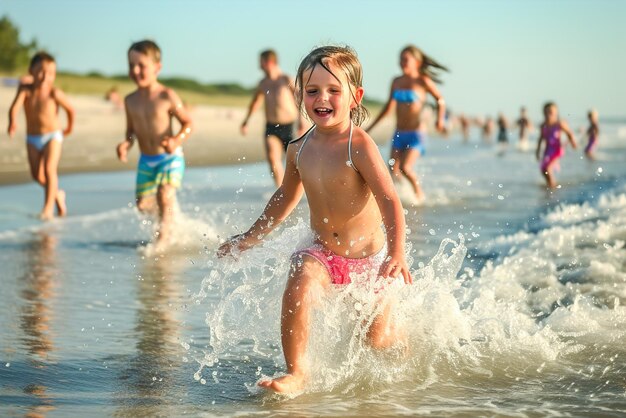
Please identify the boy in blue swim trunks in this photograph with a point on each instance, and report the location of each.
(41, 101)
(149, 113)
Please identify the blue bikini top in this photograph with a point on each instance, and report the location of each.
(405, 96)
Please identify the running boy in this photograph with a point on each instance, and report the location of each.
(41, 101)
(149, 113)
(281, 112)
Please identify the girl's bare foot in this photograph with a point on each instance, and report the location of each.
(46, 216)
(290, 383)
(60, 201)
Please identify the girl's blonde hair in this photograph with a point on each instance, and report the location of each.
(429, 67)
(342, 57)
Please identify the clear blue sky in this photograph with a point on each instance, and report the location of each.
(502, 53)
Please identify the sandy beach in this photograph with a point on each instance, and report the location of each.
(99, 127)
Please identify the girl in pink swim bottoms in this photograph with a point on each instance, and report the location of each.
(350, 194)
(551, 133)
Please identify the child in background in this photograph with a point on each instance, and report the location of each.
(408, 95)
(41, 101)
(149, 113)
(503, 133)
(551, 133)
(525, 125)
(276, 90)
(350, 194)
(592, 133)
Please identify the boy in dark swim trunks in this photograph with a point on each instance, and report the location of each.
(281, 112)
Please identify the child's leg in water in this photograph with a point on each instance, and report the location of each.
(406, 163)
(166, 199)
(549, 174)
(383, 332)
(43, 168)
(307, 279)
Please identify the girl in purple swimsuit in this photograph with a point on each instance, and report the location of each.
(551, 133)
(592, 133)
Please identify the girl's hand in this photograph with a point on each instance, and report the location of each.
(11, 130)
(67, 131)
(237, 243)
(394, 266)
(441, 126)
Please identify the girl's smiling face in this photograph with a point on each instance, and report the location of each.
(409, 64)
(551, 113)
(329, 99)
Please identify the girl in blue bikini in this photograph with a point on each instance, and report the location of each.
(408, 95)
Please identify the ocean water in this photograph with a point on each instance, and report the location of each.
(518, 305)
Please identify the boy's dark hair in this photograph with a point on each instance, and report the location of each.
(39, 58)
(269, 54)
(147, 47)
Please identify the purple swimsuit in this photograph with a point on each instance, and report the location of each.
(554, 150)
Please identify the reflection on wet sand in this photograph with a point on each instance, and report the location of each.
(36, 313)
(148, 382)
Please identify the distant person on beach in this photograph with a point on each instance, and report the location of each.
(464, 123)
(503, 133)
(525, 125)
(276, 89)
(350, 195)
(551, 134)
(593, 131)
(113, 96)
(149, 113)
(408, 94)
(487, 130)
(41, 101)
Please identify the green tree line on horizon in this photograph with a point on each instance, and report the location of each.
(14, 55)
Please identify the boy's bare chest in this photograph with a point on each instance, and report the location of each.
(40, 103)
(149, 109)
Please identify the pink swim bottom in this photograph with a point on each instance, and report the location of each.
(339, 268)
(550, 157)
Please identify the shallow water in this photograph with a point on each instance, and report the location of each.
(517, 310)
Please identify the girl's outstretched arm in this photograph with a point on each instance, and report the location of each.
(374, 171)
(431, 87)
(280, 205)
(385, 111)
(570, 135)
